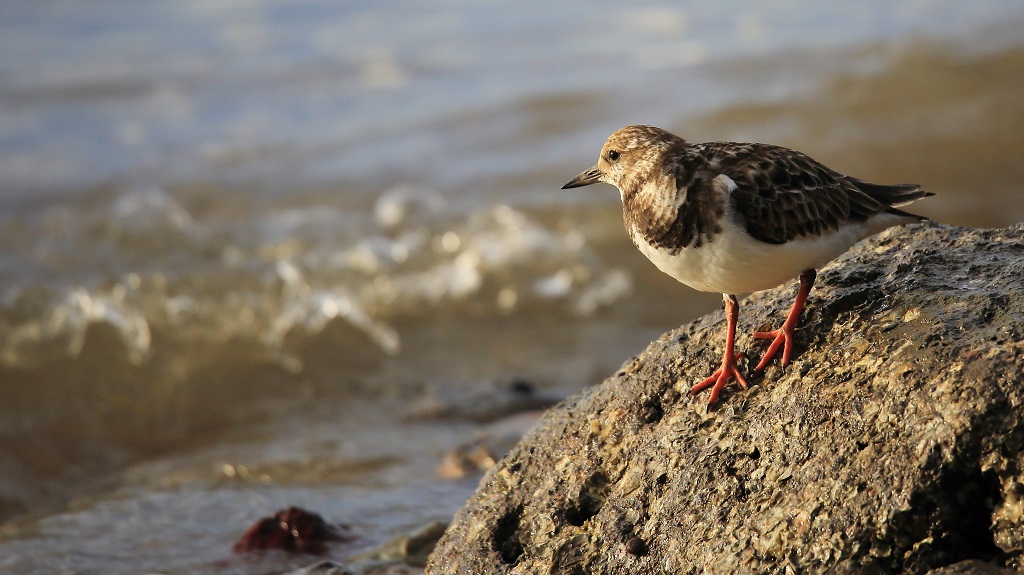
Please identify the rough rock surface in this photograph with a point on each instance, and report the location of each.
(892, 444)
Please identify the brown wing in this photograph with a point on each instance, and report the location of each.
(783, 194)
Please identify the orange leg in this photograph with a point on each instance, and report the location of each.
(784, 335)
(729, 368)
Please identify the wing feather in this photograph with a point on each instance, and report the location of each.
(783, 194)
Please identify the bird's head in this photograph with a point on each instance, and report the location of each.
(628, 158)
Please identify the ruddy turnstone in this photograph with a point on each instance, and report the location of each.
(735, 218)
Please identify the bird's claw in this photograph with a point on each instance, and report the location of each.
(717, 381)
(782, 337)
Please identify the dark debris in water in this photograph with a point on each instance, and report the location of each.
(294, 530)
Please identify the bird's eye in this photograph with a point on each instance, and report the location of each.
(613, 155)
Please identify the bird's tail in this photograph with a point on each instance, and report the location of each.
(892, 195)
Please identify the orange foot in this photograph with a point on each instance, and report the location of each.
(729, 369)
(784, 335)
(721, 377)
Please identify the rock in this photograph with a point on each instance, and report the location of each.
(490, 444)
(971, 567)
(409, 549)
(481, 403)
(893, 443)
(322, 568)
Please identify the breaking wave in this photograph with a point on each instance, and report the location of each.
(133, 314)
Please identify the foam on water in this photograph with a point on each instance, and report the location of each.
(212, 285)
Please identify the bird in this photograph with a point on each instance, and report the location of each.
(736, 218)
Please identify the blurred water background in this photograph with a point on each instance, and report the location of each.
(242, 243)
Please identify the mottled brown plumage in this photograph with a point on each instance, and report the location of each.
(783, 194)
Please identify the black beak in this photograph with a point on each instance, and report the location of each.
(591, 176)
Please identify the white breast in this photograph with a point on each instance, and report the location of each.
(734, 262)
